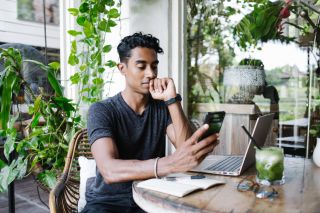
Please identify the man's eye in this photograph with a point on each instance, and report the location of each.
(141, 68)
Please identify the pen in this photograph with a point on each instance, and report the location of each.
(173, 178)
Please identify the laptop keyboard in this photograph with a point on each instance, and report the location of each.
(229, 164)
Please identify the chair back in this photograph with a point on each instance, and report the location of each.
(65, 196)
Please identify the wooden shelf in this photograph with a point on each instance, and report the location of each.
(248, 109)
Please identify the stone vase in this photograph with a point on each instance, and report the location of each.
(242, 83)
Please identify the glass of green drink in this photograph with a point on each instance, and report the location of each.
(270, 165)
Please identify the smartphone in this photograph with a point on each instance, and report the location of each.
(214, 120)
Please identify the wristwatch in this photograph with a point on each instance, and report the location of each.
(173, 100)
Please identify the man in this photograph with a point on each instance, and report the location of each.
(127, 131)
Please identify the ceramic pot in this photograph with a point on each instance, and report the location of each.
(242, 83)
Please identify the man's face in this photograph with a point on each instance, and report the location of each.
(140, 68)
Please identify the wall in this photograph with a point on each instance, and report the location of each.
(165, 20)
(13, 30)
(113, 38)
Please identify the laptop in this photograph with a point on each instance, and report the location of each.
(235, 165)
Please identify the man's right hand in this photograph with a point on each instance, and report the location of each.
(193, 151)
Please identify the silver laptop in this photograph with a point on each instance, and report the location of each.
(234, 165)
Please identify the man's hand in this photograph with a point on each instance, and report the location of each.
(162, 89)
(192, 151)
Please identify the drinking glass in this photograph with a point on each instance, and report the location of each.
(270, 166)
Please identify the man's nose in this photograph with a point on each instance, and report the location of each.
(150, 73)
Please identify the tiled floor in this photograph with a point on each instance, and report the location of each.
(26, 198)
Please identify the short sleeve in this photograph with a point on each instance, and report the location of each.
(99, 122)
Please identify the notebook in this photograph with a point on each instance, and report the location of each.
(180, 187)
(235, 165)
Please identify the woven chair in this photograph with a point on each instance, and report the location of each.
(65, 195)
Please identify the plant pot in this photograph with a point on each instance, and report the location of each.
(242, 83)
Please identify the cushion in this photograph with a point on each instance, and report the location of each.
(87, 170)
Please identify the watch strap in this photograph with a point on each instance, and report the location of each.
(173, 100)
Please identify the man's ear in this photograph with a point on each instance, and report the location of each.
(121, 68)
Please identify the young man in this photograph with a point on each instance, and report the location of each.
(127, 131)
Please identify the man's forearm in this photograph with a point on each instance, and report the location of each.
(117, 170)
(180, 123)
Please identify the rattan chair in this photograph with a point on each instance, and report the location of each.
(65, 195)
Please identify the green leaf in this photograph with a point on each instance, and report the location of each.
(48, 178)
(103, 25)
(109, 2)
(2, 133)
(21, 167)
(75, 78)
(74, 32)
(97, 81)
(111, 63)
(84, 7)
(74, 46)
(37, 103)
(64, 103)
(4, 174)
(9, 144)
(12, 120)
(35, 120)
(101, 69)
(54, 83)
(73, 59)
(81, 20)
(73, 11)
(107, 48)
(54, 65)
(101, 8)
(10, 81)
(83, 67)
(111, 23)
(33, 144)
(85, 79)
(88, 28)
(85, 90)
(113, 13)
(230, 10)
(2, 164)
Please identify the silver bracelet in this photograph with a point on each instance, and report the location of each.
(155, 168)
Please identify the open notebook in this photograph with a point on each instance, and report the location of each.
(180, 187)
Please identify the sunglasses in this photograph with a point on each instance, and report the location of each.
(261, 191)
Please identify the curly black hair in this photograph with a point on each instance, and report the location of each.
(137, 40)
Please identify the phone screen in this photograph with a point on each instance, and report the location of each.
(214, 120)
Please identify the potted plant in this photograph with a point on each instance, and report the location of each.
(244, 81)
(54, 120)
(268, 18)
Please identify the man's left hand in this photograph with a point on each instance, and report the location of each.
(162, 89)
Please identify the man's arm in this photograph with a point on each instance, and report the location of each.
(180, 125)
(180, 130)
(115, 170)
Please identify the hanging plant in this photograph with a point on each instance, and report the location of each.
(264, 23)
(89, 48)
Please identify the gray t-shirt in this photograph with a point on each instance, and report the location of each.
(136, 136)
